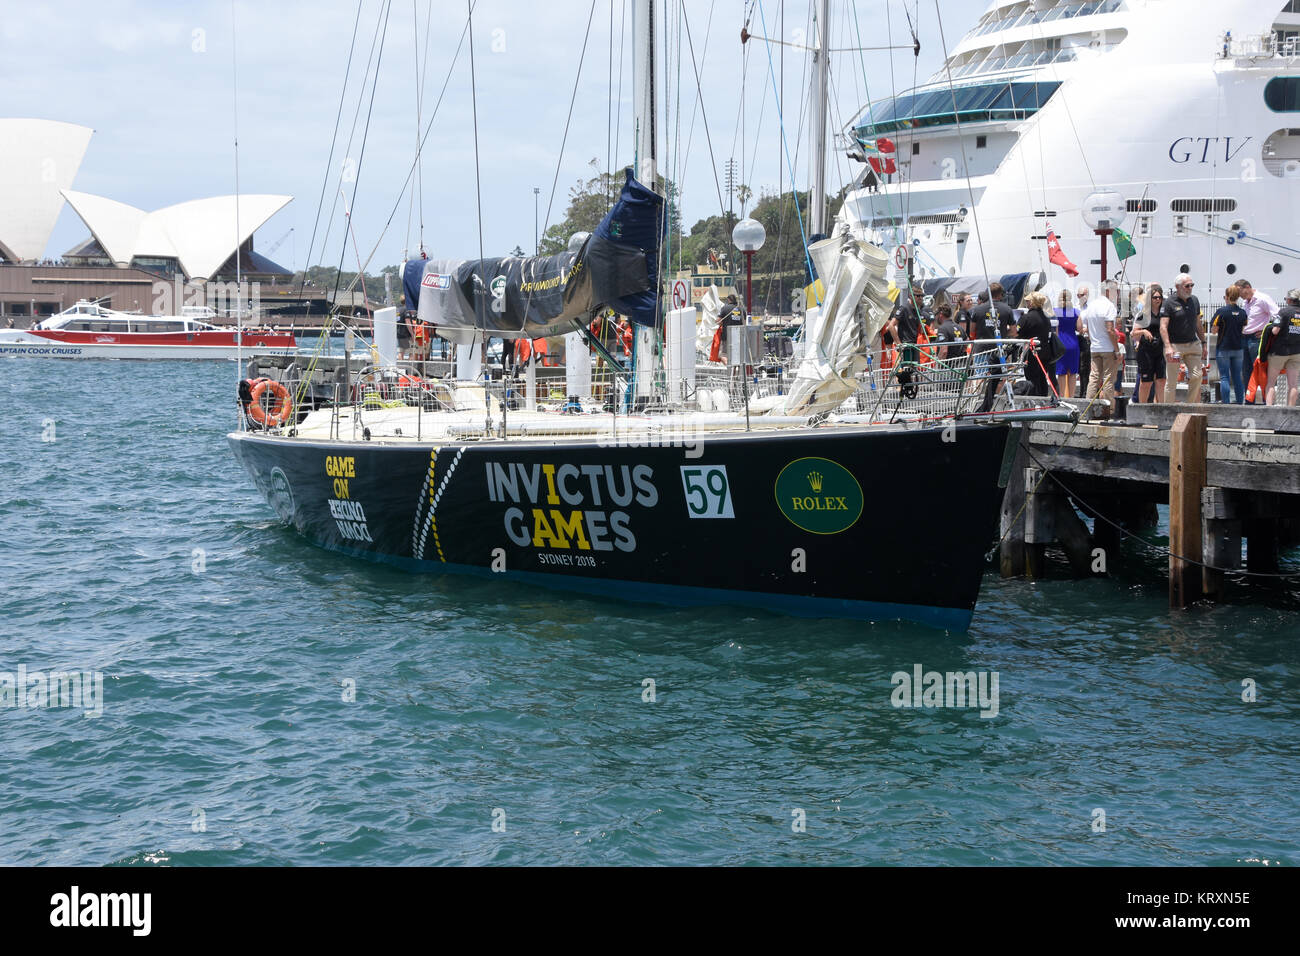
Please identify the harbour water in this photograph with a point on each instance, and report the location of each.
(500, 723)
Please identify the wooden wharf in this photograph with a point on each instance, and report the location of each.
(1230, 475)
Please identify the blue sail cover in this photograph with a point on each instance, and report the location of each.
(534, 296)
(411, 276)
(637, 220)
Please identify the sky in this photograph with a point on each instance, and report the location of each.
(166, 86)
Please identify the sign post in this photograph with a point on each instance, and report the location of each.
(681, 294)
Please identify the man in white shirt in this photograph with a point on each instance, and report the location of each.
(1098, 319)
(1260, 311)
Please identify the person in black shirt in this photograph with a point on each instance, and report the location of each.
(992, 320)
(1180, 329)
(1284, 356)
(963, 318)
(905, 320)
(1229, 322)
(904, 325)
(947, 335)
(1148, 347)
(1035, 324)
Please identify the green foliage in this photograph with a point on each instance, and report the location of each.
(779, 267)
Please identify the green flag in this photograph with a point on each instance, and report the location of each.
(1123, 244)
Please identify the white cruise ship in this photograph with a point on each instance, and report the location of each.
(1189, 109)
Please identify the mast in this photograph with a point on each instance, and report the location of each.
(821, 72)
(645, 35)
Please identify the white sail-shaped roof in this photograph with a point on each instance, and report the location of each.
(200, 234)
(38, 159)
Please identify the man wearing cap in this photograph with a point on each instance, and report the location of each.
(1182, 332)
(1284, 356)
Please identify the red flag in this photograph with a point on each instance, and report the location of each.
(883, 164)
(1057, 255)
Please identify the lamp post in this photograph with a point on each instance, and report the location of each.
(537, 238)
(1104, 212)
(748, 236)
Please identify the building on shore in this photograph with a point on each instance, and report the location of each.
(134, 260)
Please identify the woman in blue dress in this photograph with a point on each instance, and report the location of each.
(1067, 368)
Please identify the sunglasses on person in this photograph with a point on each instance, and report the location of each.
(1156, 295)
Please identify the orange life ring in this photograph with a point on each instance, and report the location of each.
(275, 415)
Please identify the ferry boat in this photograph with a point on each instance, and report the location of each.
(1189, 109)
(88, 330)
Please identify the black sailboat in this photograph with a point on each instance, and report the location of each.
(809, 506)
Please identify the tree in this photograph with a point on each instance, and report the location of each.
(743, 193)
(517, 251)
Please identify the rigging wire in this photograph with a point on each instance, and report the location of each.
(356, 183)
(361, 96)
(329, 163)
(559, 160)
(789, 162)
(410, 173)
(699, 87)
(975, 221)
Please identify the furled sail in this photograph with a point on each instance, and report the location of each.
(536, 296)
(836, 336)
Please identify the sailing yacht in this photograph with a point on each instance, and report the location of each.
(1189, 109)
(830, 498)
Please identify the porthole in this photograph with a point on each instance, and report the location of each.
(1232, 268)
(1185, 269)
(1277, 268)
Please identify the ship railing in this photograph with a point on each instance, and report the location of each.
(925, 383)
(932, 381)
(1264, 46)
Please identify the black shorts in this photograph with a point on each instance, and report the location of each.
(1150, 360)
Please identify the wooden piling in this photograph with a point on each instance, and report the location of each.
(1011, 527)
(1072, 534)
(1221, 530)
(1040, 521)
(1187, 478)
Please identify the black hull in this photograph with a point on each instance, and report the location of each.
(865, 523)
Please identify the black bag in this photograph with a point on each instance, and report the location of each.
(1052, 351)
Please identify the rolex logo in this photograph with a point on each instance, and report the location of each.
(815, 481)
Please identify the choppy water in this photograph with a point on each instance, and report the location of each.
(225, 738)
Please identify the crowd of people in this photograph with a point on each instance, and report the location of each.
(1097, 334)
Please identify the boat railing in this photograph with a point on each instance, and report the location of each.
(914, 385)
(1264, 46)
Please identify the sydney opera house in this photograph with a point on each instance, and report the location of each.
(128, 250)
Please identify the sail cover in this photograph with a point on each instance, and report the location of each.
(536, 296)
